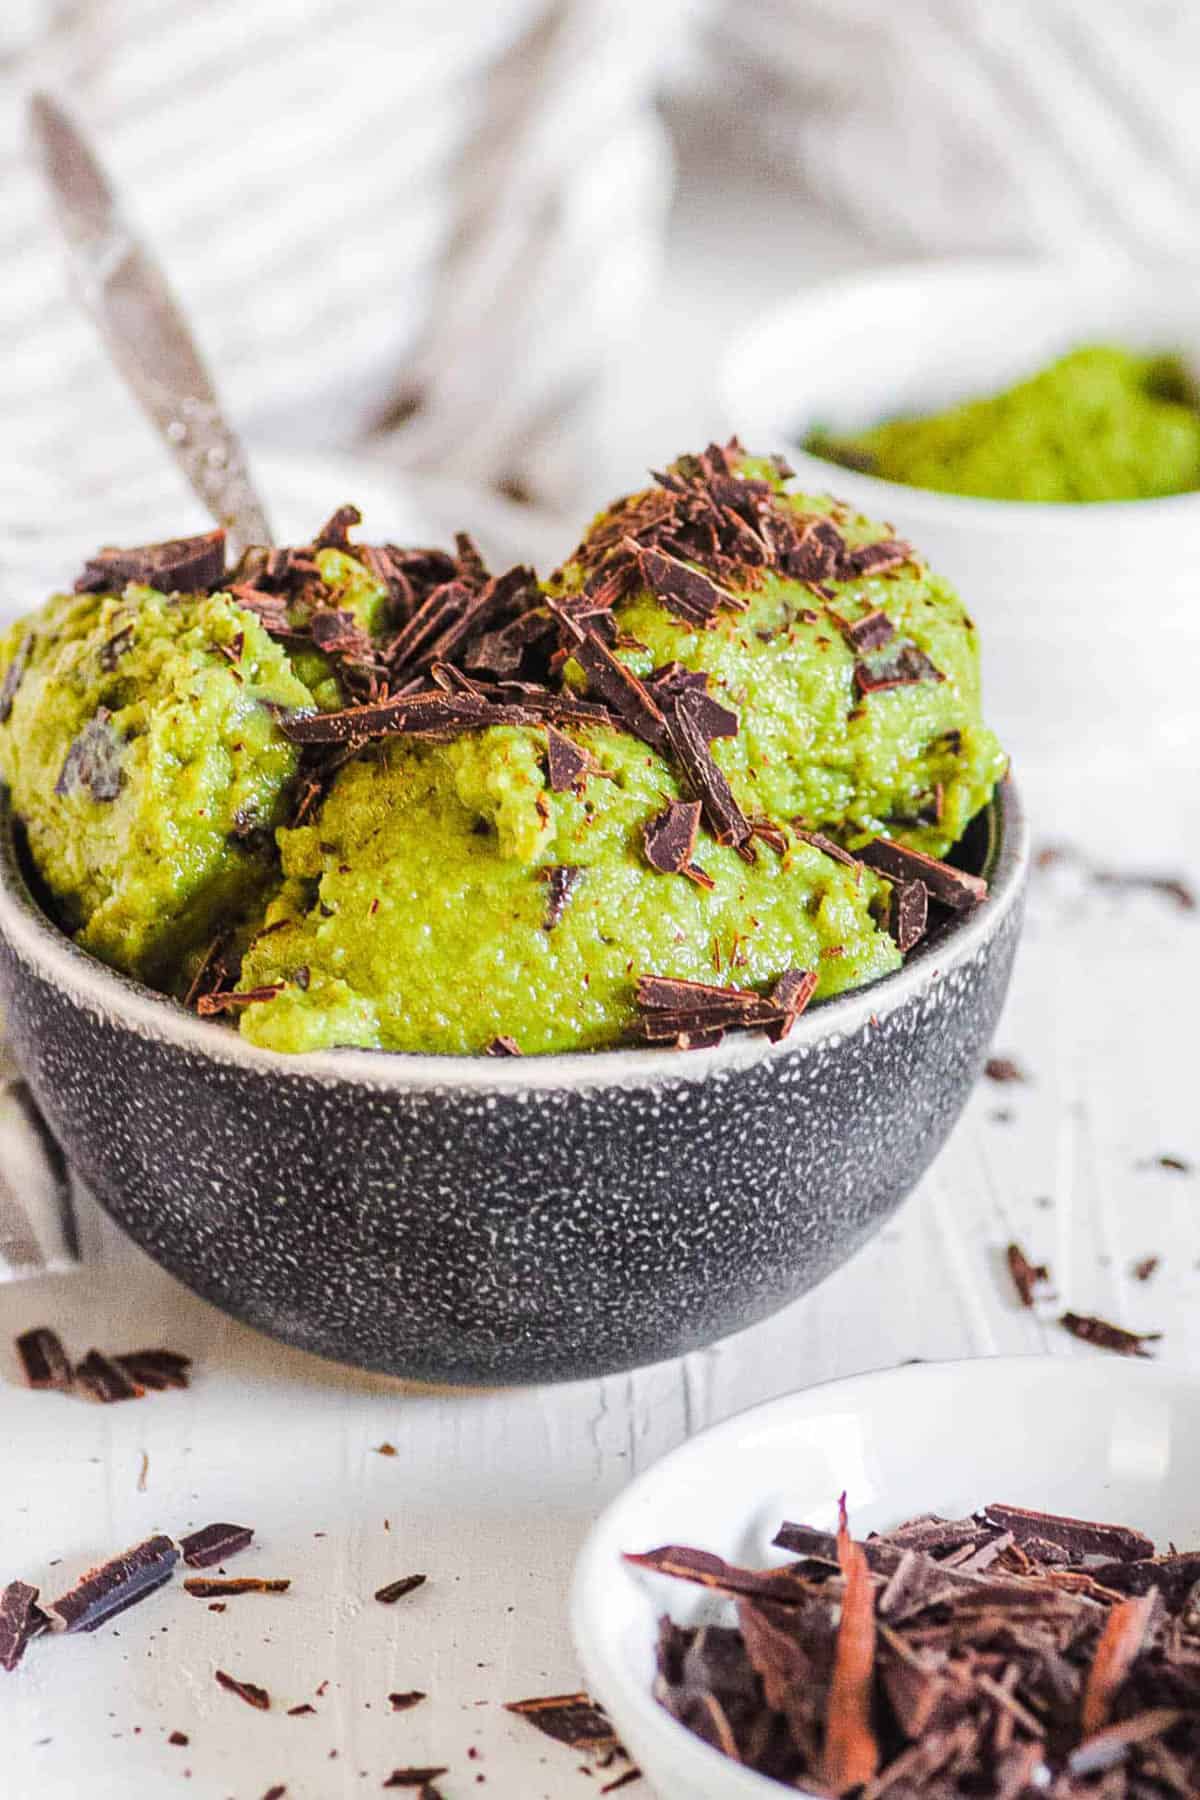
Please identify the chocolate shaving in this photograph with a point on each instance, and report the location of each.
(94, 760)
(109, 1589)
(335, 533)
(561, 880)
(1078, 1537)
(906, 666)
(179, 566)
(573, 1719)
(213, 1543)
(158, 1369)
(725, 818)
(412, 1778)
(1145, 1267)
(1003, 1069)
(248, 1691)
(871, 632)
(43, 1359)
(21, 1619)
(617, 686)
(908, 914)
(230, 999)
(851, 1754)
(952, 887)
(105, 1380)
(396, 1590)
(179, 1739)
(940, 1679)
(1027, 1276)
(405, 1702)
(1107, 1336)
(217, 1587)
(670, 837)
(503, 1046)
(567, 766)
(692, 1014)
(686, 591)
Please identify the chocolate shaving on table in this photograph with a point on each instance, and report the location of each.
(249, 1691)
(21, 1619)
(213, 1543)
(561, 880)
(670, 837)
(950, 886)
(625, 1780)
(121, 1582)
(573, 1719)
(178, 566)
(218, 1586)
(396, 1590)
(14, 675)
(406, 1701)
(503, 1046)
(94, 760)
(906, 666)
(908, 914)
(413, 1778)
(179, 1739)
(1107, 1336)
(105, 1380)
(1145, 1267)
(1004, 1069)
(43, 1360)
(1027, 1276)
(567, 766)
(158, 1369)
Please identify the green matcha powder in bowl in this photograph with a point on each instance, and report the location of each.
(1036, 425)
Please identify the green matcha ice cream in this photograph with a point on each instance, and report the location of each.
(147, 767)
(511, 816)
(1100, 424)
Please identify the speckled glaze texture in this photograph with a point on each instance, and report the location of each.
(471, 1220)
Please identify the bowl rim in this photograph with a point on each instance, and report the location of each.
(714, 1773)
(34, 938)
(929, 507)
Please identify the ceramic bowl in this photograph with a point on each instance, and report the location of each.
(1085, 1435)
(470, 1219)
(1088, 612)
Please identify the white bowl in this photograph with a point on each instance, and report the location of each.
(1090, 1436)
(1062, 594)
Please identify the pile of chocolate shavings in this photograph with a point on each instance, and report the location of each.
(107, 1379)
(1004, 1656)
(467, 649)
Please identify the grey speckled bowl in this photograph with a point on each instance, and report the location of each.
(479, 1220)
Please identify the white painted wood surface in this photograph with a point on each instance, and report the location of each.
(490, 1493)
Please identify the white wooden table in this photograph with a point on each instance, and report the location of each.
(490, 1493)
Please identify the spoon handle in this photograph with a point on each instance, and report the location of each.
(121, 285)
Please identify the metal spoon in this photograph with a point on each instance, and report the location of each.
(121, 284)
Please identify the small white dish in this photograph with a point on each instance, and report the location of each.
(1089, 1436)
(1087, 613)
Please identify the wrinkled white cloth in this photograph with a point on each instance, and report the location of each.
(958, 125)
(360, 203)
